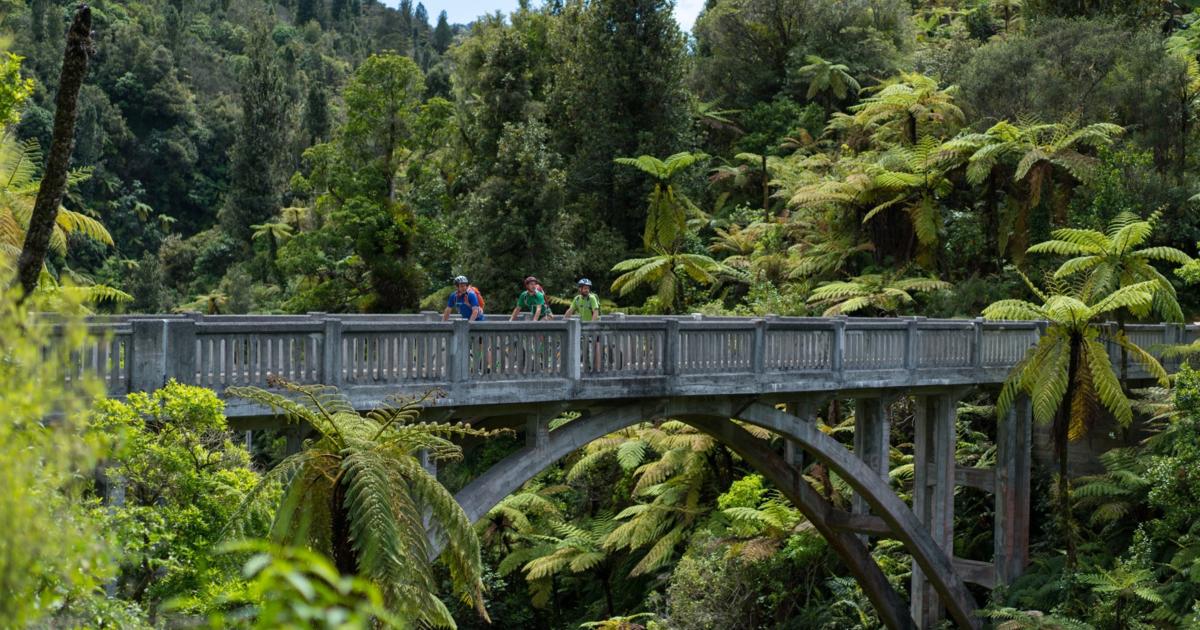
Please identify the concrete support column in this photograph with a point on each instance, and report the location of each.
(933, 493)
(537, 431)
(872, 435)
(1013, 462)
(294, 441)
(792, 453)
(427, 462)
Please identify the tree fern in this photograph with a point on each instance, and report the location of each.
(885, 293)
(1060, 386)
(359, 494)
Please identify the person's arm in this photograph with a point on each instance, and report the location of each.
(570, 310)
(446, 314)
(449, 308)
(539, 299)
(476, 311)
(513, 317)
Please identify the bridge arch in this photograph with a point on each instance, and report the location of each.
(711, 415)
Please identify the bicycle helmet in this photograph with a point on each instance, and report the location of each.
(461, 280)
(584, 282)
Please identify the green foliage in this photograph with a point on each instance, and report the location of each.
(617, 90)
(359, 494)
(183, 478)
(823, 76)
(880, 293)
(1113, 259)
(294, 587)
(256, 160)
(664, 273)
(1043, 374)
(14, 88)
(19, 183)
(44, 469)
(668, 210)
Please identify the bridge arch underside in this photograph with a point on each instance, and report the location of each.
(712, 416)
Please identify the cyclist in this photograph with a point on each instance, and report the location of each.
(585, 304)
(532, 299)
(466, 299)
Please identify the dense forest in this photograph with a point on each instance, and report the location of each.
(1010, 159)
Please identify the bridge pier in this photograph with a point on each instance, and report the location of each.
(872, 435)
(1013, 469)
(933, 493)
(806, 410)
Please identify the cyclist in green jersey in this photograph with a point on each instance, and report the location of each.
(585, 304)
(533, 300)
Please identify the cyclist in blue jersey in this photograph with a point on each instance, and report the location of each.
(465, 300)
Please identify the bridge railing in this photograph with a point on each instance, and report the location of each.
(142, 353)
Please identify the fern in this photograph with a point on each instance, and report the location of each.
(389, 496)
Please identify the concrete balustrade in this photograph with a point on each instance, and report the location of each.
(491, 363)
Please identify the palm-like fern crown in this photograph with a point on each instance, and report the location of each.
(910, 105)
(823, 247)
(371, 461)
(670, 463)
(1044, 372)
(886, 292)
(825, 76)
(18, 189)
(668, 212)
(1114, 258)
(663, 272)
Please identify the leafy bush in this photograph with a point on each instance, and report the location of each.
(183, 478)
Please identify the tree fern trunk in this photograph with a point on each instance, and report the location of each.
(1124, 353)
(606, 579)
(343, 548)
(1061, 435)
(54, 180)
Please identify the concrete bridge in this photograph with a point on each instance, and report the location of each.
(773, 372)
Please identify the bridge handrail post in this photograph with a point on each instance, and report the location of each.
(572, 361)
(331, 352)
(837, 357)
(758, 351)
(147, 354)
(181, 349)
(671, 348)
(977, 343)
(460, 351)
(910, 343)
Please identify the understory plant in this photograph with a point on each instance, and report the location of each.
(358, 493)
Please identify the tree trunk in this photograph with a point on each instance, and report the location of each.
(1061, 435)
(766, 188)
(54, 180)
(343, 549)
(1124, 354)
(608, 595)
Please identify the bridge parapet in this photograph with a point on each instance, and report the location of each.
(620, 357)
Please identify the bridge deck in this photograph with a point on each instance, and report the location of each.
(505, 363)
